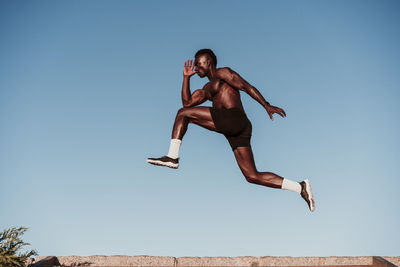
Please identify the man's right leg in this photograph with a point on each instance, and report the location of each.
(197, 115)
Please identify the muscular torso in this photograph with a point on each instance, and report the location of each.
(222, 95)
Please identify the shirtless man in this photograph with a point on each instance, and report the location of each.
(226, 116)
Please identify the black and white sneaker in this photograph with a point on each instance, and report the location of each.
(165, 161)
(307, 194)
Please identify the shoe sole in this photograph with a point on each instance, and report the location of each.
(310, 195)
(162, 163)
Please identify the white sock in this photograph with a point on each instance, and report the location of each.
(174, 146)
(291, 185)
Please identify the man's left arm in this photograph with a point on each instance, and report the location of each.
(236, 81)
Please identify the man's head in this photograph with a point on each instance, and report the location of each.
(204, 61)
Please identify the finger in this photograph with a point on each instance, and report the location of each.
(281, 112)
(270, 115)
(191, 63)
(185, 64)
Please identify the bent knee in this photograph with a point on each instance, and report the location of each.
(188, 113)
(182, 112)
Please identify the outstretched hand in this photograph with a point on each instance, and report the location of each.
(188, 69)
(272, 109)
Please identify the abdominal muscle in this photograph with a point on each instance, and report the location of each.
(227, 98)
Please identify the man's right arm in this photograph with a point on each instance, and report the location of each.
(198, 96)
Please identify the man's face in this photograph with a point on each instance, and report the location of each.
(202, 64)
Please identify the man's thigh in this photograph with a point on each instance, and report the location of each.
(200, 116)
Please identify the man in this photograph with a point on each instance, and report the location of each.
(226, 116)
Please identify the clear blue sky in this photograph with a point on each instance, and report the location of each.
(90, 89)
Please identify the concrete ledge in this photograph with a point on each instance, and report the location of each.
(115, 260)
(270, 261)
(393, 260)
(277, 261)
(130, 261)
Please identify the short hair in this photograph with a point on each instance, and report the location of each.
(207, 51)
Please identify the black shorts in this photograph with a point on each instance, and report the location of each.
(234, 124)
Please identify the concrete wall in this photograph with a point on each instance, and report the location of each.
(119, 261)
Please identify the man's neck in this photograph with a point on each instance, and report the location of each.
(211, 75)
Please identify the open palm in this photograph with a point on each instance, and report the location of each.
(188, 69)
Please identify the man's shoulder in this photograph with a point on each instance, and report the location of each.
(223, 69)
(224, 72)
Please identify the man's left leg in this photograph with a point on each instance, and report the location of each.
(197, 115)
(245, 160)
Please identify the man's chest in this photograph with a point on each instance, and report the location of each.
(213, 88)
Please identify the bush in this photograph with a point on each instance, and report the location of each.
(10, 243)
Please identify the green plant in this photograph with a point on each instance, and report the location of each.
(10, 244)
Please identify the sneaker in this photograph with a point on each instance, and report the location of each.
(307, 194)
(165, 161)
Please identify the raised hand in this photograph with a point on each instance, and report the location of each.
(188, 69)
(272, 109)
